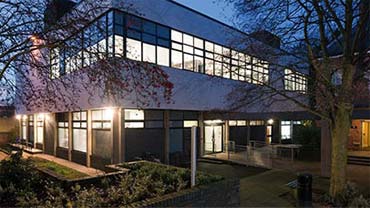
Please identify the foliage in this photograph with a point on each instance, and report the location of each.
(307, 135)
(350, 197)
(21, 185)
(18, 179)
(58, 169)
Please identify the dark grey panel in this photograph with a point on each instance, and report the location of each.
(140, 141)
(258, 133)
(238, 134)
(79, 157)
(62, 153)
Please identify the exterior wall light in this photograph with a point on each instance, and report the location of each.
(108, 113)
(270, 121)
(41, 116)
(18, 117)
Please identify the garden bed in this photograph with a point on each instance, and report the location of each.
(37, 182)
(57, 170)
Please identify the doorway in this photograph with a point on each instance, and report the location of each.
(365, 144)
(213, 139)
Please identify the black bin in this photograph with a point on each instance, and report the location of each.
(304, 190)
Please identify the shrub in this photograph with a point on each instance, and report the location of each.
(351, 197)
(18, 179)
(308, 135)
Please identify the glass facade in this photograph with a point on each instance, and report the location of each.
(122, 35)
(295, 81)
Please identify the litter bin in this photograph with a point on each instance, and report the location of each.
(304, 190)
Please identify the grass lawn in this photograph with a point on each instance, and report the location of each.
(57, 169)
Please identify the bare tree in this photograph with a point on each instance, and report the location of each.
(310, 29)
(31, 42)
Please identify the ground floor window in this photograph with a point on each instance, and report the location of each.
(40, 129)
(63, 138)
(101, 119)
(24, 128)
(79, 131)
(134, 118)
(30, 129)
(286, 130)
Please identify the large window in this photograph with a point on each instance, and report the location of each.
(30, 129)
(128, 36)
(24, 128)
(102, 119)
(63, 138)
(295, 81)
(286, 130)
(134, 118)
(79, 131)
(40, 129)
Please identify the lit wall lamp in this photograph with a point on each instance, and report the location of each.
(108, 113)
(270, 121)
(18, 117)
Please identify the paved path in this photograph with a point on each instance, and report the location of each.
(69, 164)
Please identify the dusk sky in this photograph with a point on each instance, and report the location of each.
(213, 8)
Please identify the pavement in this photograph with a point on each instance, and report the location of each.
(261, 187)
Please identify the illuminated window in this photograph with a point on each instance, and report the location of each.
(232, 123)
(24, 128)
(176, 61)
(119, 46)
(188, 62)
(176, 36)
(295, 81)
(286, 130)
(256, 123)
(241, 123)
(40, 129)
(209, 67)
(79, 132)
(133, 49)
(190, 123)
(101, 119)
(149, 53)
(134, 118)
(163, 57)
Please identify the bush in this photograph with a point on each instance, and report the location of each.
(18, 179)
(351, 197)
(308, 135)
(22, 185)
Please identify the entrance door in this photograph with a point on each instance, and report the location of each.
(213, 139)
(268, 134)
(365, 134)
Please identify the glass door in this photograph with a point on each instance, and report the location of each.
(213, 139)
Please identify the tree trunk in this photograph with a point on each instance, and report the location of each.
(339, 131)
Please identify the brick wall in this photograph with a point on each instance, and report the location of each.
(224, 193)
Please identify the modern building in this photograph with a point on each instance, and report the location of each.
(207, 62)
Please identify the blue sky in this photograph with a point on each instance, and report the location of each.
(213, 8)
